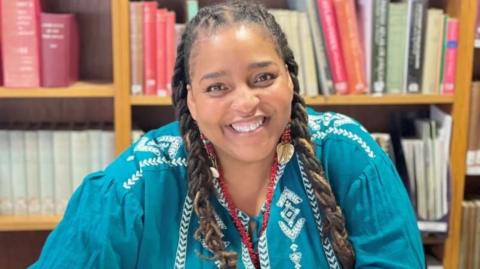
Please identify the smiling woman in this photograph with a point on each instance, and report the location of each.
(247, 177)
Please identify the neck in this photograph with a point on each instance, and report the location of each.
(247, 182)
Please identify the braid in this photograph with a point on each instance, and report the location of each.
(200, 178)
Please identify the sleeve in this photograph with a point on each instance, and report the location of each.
(380, 220)
(101, 228)
(379, 216)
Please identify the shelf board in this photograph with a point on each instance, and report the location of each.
(404, 99)
(335, 100)
(79, 89)
(473, 170)
(28, 223)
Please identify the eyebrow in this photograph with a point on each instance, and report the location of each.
(260, 64)
(213, 75)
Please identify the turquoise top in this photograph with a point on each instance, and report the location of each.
(136, 213)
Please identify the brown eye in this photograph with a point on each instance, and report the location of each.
(216, 88)
(264, 78)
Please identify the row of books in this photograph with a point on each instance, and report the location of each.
(377, 47)
(153, 42)
(470, 235)
(419, 146)
(37, 49)
(473, 153)
(39, 169)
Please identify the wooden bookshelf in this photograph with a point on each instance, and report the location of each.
(28, 223)
(78, 90)
(334, 100)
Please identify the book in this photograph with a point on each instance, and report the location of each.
(397, 34)
(379, 47)
(161, 52)
(18, 172)
(171, 49)
(6, 201)
(21, 43)
(365, 10)
(308, 56)
(328, 23)
(351, 45)
(473, 148)
(32, 171)
(192, 8)
(450, 57)
(150, 47)
(62, 169)
(136, 48)
(432, 50)
(46, 175)
(416, 24)
(80, 156)
(60, 50)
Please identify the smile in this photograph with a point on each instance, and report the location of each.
(247, 127)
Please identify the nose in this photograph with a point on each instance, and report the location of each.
(246, 101)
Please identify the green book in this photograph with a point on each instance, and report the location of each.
(192, 9)
(396, 45)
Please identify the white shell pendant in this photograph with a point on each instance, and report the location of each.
(215, 172)
(284, 153)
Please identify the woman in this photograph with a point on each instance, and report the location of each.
(247, 178)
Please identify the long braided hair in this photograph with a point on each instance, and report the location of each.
(200, 178)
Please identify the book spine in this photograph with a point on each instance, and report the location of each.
(417, 12)
(474, 119)
(62, 169)
(379, 47)
(32, 171)
(80, 155)
(6, 202)
(58, 50)
(332, 41)
(308, 56)
(397, 33)
(21, 43)
(365, 21)
(450, 66)
(136, 47)
(18, 172)
(323, 70)
(192, 9)
(108, 147)
(162, 52)
(351, 45)
(46, 171)
(95, 144)
(171, 49)
(149, 60)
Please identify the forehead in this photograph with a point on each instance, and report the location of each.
(230, 42)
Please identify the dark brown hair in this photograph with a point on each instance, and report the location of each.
(200, 178)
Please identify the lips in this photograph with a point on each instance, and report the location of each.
(248, 126)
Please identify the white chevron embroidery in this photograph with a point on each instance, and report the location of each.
(348, 134)
(263, 251)
(181, 253)
(327, 246)
(247, 262)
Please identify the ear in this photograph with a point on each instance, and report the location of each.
(290, 82)
(192, 107)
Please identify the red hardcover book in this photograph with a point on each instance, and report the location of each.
(21, 42)
(351, 45)
(450, 57)
(59, 50)
(150, 46)
(171, 49)
(329, 27)
(162, 52)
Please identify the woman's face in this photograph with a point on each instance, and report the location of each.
(240, 92)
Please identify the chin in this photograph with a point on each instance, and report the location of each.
(251, 154)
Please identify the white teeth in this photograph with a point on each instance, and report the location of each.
(247, 127)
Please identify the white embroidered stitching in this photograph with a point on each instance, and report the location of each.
(327, 246)
(263, 251)
(181, 255)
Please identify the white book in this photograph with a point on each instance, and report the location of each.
(46, 172)
(444, 125)
(62, 169)
(94, 147)
(308, 56)
(365, 21)
(433, 41)
(18, 172)
(422, 187)
(80, 156)
(136, 135)
(409, 153)
(107, 148)
(32, 171)
(6, 201)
